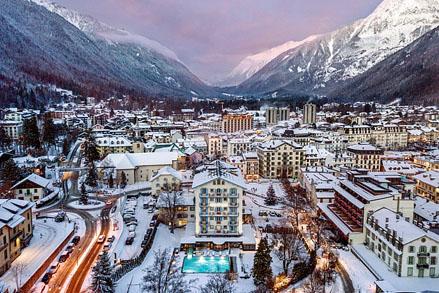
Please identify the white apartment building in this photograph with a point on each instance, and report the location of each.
(273, 115)
(406, 249)
(13, 128)
(365, 156)
(238, 146)
(309, 114)
(218, 190)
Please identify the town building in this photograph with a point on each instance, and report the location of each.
(32, 188)
(365, 156)
(274, 115)
(166, 179)
(309, 113)
(427, 185)
(280, 158)
(236, 122)
(406, 249)
(16, 230)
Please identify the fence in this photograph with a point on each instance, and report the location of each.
(129, 264)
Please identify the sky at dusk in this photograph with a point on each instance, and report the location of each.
(212, 36)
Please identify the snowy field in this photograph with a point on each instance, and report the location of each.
(47, 237)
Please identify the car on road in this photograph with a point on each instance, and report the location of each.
(101, 239)
(64, 256)
(129, 241)
(107, 246)
(70, 247)
(53, 268)
(111, 238)
(46, 278)
(75, 240)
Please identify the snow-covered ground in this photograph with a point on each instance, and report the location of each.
(92, 204)
(47, 237)
(362, 278)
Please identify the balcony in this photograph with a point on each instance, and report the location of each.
(423, 254)
(233, 204)
(233, 194)
(204, 194)
(422, 266)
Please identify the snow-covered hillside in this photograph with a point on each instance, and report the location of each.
(347, 52)
(252, 64)
(103, 31)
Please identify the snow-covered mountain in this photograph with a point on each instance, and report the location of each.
(101, 30)
(82, 54)
(252, 64)
(347, 52)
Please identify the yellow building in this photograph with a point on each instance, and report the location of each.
(15, 230)
(365, 156)
(234, 122)
(427, 185)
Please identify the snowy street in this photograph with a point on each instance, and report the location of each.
(47, 237)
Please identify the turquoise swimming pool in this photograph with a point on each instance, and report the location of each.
(206, 264)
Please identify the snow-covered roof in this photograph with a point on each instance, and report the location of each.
(128, 161)
(426, 209)
(431, 178)
(167, 170)
(219, 170)
(11, 211)
(34, 178)
(363, 147)
(405, 231)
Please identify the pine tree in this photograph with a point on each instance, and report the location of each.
(65, 147)
(110, 181)
(49, 131)
(5, 139)
(92, 176)
(271, 196)
(10, 172)
(90, 149)
(101, 275)
(262, 272)
(123, 179)
(84, 195)
(31, 134)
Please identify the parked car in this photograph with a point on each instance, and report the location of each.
(131, 228)
(70, 247)
(107, 246)
(111, 239)
(101, 239)
(151, 210)
(46, 278)
(144, 243)
(152, 223)
(272, 214)
(75, 240)
(129, 241)
(64, 256)
(60, 217)
(155, 217)
(53, 268)
(132, 234)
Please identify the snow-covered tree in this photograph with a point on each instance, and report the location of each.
(101, 275)
(123, 179)
(164, 276)
(289, 248)
(315, 283)
(49, 131)
(171, 200)
(84, 195)
(10, 172)
(110, 181)
(261, 271)
(92, 175)
(271, 196)
(218, 284)
(31, 135)
(90, 149)
(65, 147)
(5, 139)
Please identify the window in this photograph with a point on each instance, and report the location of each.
(423, 249)
(434, 249)
(433, 260)
(409, 272)
(410, 260)
(411, 249)
(432, 272)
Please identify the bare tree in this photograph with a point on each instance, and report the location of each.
(17, 273)
(164, 275)
(315, 283)
(218, 284)
(171, 200)
(289, 248)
